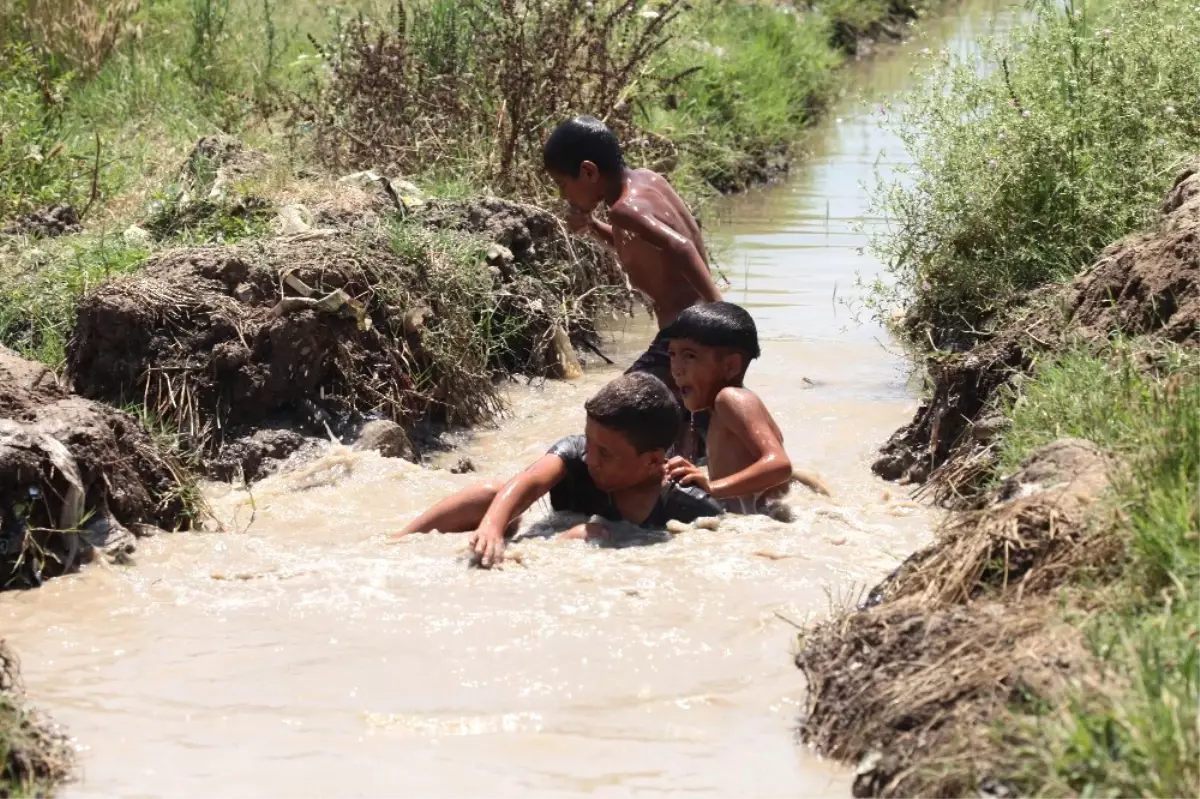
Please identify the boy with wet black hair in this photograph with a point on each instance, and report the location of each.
(615, 471)
(711, 347)
(651, 230)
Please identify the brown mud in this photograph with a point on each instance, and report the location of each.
(405, 315)
(909, 684)
(35, 755)
(76, 477)
(1144, 285)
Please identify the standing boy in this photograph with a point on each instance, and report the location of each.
(651, 230)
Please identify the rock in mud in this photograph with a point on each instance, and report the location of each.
(263, 453)
(385, 437)
(1144, 285)
(74, 475)
(35, 754)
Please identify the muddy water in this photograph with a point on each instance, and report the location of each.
(303, 654)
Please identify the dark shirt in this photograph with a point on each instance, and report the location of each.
(578, 494)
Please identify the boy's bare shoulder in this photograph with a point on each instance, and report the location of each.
(739, 401)
(649, 194)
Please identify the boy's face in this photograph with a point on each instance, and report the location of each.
(701, 372)
(585, 191)
(614, 463)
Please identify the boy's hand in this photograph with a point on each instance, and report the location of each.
(488, 546)
(578, 220)
(686, 473)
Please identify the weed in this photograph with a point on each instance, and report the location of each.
(1024, 171)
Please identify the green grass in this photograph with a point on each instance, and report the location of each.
(1135, 732)
(755, 74)
(38, 296)
(1063, 142)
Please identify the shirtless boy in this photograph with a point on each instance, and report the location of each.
(615, 470)
(711, 347)
(654, 235)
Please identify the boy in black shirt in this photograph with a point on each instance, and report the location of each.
(616, 470)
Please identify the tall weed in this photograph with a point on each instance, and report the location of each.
(475, 86)
(1024, 171)
(36, 165)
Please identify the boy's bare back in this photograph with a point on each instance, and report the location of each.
(653, 230)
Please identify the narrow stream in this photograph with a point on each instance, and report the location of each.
(305, 655)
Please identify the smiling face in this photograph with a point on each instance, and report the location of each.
(614, 463)
(586, 191)
(701, 372)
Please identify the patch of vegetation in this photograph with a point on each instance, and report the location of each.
(39, 295)
(1023, 171)
(1135, 732)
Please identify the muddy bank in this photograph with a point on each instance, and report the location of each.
(35, 755)
(385, 309)
(1146, 285)
(77, 478)
(911, 683)
(976, 627)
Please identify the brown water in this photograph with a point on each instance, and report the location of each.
(304, 655)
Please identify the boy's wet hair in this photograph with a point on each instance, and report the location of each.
(641, 408)
(582, 139)
(717, 324)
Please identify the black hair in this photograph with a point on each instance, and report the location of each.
(717, 324)
(641, 408)
(582, 139)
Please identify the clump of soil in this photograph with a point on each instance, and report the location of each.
(1144, 285)
(1026, 539)
(908, 693)
(321, 330)
(75, 477)
(912, 681)
(35, 754)
(57, 220)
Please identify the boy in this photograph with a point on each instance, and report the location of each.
(651, 230)
(711, 347)
(615, 470)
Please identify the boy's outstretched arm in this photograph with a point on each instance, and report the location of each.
(681, 249)
(747, 418)
(514, 499)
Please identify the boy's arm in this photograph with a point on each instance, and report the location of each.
(680, 248)
(746, 417)
(580, 221)
(515, 498)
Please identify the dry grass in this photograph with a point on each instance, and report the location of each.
(83, 33)
(1028, 539)
(910, 693)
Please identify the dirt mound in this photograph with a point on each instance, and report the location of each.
(327, 328)
(57, 220)
(904, 690)
(35, 755)
(1145, 285)
(1027, 539)
(77, 476)
(912, 681)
